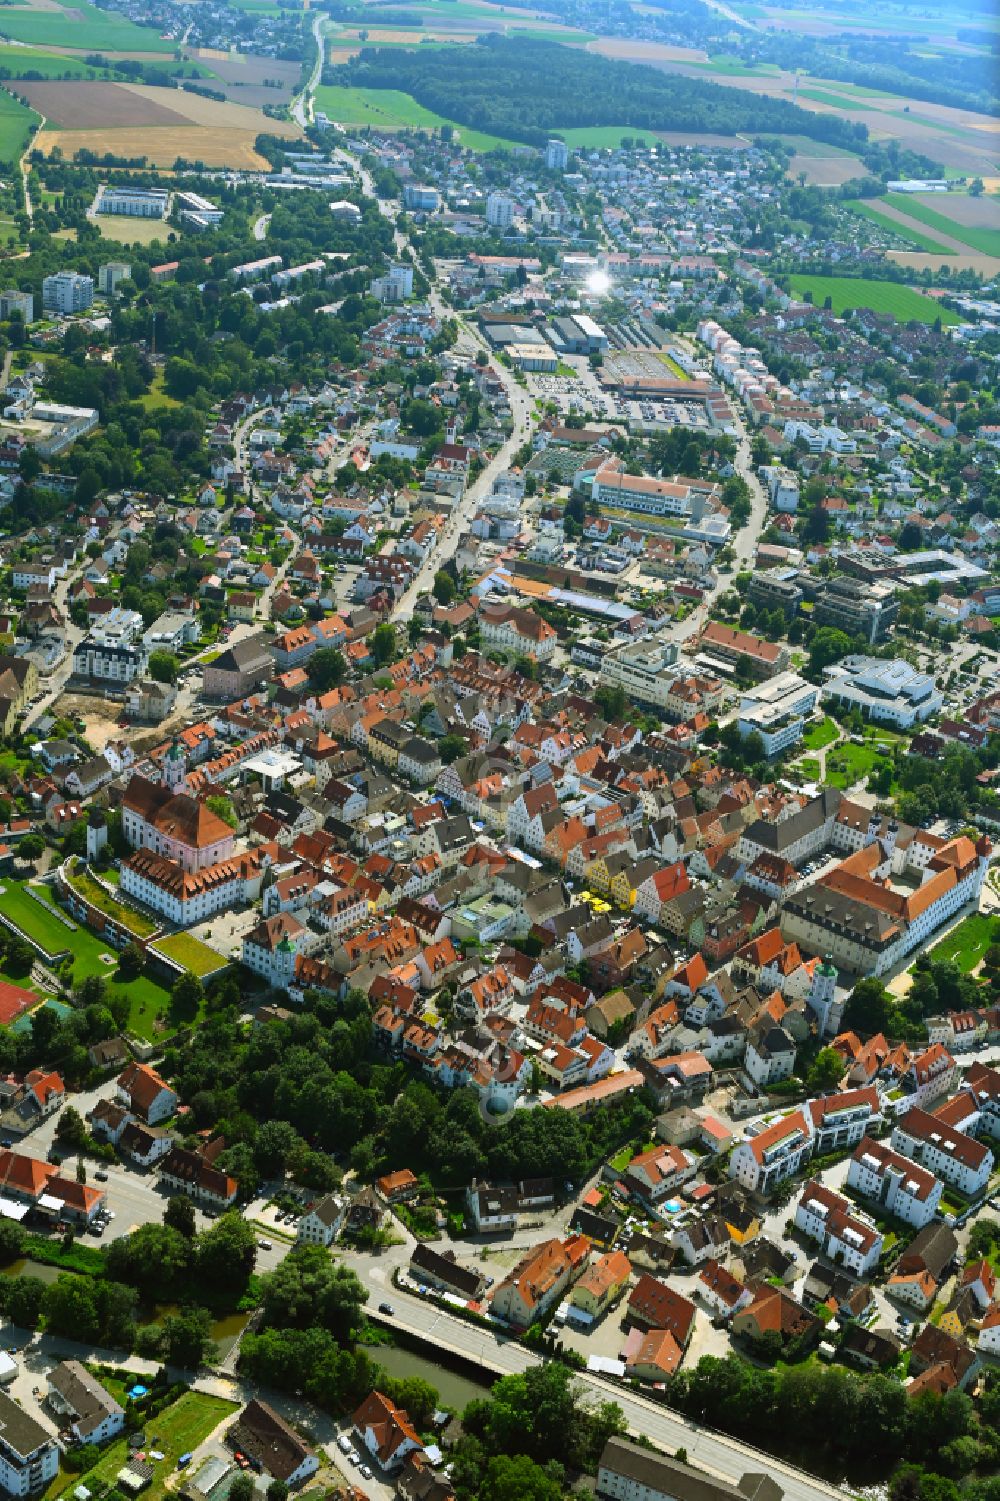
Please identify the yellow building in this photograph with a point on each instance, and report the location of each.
(598, 1288)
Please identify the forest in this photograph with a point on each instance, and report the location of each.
(524, 90)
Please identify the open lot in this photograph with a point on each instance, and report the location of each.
(130, 231)
(880, 296)
(254, 81)
(83, 106)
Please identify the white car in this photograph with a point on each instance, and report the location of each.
(344, 1444)
(366, 1472)
(354, 1457)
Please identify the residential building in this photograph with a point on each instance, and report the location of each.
(521, 632)
(759, 1163)
(893, 1183)
(385, 1432)
(959, 1160)
(321, 1224)
(29, 1455)
(67, 292)
(733, 648)
(133, 203)
(110, 274)
(265, 1437)
(847, 1237)
(601, 1284)
(141, 1089)
(538, 1281)
(91, 1413)
(12, 302)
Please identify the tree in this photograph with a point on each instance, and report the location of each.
(31, 847)
(154, 1258)
(326, 669)
(187, 996)
(11, 1241)
(71, 1130)
(242, 1488)
(826, 1072)
(450, 747)
(518, 1478)
(179, 1215)
(163, 666)
(130, 962)
(828, 645)
(308, 1289)
(444, 588)
(226, 1253)
(383, 643)
(186, 1338)
(277, 1491)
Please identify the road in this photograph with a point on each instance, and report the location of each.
(72, 635)
(722, 1456)
(260, 226)
(302, 108)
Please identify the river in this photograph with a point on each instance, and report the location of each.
(455, 1390)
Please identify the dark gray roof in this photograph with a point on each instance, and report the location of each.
(680, 1481)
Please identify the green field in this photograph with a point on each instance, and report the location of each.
(847, 764)
(985, 240)
(890, 297)
(16, 124)
(967, 944)
(195, 956)
(179, 1429)
(83, 27)
(806, 146)
(391, 109)
(602, 137)
(915, 236)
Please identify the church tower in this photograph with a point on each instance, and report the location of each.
(174, 769)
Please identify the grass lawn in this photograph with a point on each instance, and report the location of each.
(967, 944)
(880, 296)
(21, 60)
(809, 767)
(847, 764)
(157, 397)
(914, 236)
(195, 956)
(818, 735)
(391, 109)
(178, 1429)
(672, 365)
(982, 239)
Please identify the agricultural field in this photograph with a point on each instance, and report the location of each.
(390, 109)
(172, 124)
(16, 61)
(907, 232)
(983, 235)
(891, 297)
(80, 26)
(254, 81)
(16, 124)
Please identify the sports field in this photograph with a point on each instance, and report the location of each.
(391, 109)
(889, 297)
(127, 230)
(976, 236)
(80, 26)
(904, 231)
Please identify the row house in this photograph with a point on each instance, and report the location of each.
(847, 1237)
(894, 1183)
(949, 1154)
